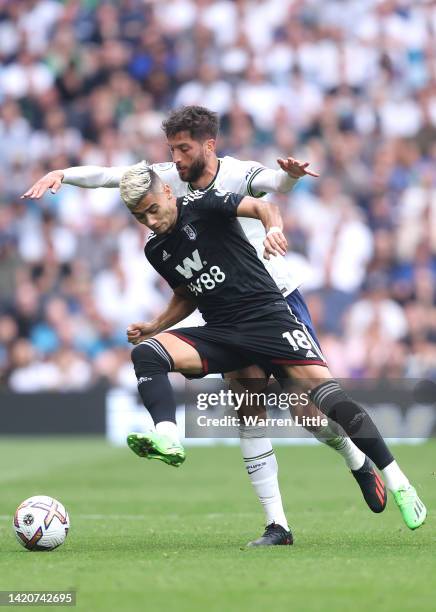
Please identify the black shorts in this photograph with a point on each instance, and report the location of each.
(281, 339)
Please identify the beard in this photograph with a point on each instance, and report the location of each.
(195, 171)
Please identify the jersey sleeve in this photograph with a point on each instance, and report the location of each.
(254, 169)
(92, 177)
(260, 180)
(220, 203)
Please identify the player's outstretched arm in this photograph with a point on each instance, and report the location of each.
(275, 242)
(179, 307)
(282, 180)
(90, 177)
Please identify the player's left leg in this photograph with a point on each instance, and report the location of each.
(331, 399)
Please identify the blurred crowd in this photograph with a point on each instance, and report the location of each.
(348, 85)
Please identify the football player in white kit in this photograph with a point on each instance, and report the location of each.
(191, 135)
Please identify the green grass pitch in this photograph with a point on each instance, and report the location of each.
(147, 536)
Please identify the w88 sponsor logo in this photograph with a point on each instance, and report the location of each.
(207, 280)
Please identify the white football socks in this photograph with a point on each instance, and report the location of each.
(262, 469)
(331, 436)
(394, 477)
(168, 428)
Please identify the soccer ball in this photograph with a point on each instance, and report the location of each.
(41, 523)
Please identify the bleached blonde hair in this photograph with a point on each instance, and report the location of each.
(136, 182)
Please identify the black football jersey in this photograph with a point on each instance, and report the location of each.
(207, 252)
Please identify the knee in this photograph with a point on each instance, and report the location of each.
(252, 379)
(251, 382)
(152, 357)
(136, 353)
(142, 354)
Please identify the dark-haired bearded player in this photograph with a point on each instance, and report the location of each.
(191, 134)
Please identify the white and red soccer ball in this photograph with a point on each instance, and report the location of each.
(41, 523)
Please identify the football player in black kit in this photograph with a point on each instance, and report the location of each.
(191, 135)
(198, 246)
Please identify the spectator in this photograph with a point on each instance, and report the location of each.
(349, 85)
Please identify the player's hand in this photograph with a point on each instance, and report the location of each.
(275, 243)
(296, 168)
(138, 332)
(52, 181)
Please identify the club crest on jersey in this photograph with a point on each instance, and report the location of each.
(190, 232)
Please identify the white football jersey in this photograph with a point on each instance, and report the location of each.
(236, 176)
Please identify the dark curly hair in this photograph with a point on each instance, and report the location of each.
(200, 122)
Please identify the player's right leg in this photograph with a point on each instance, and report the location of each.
(331, 399)
(336, 404)
(191, 351)
(333, 436)
(153, 359)
(287, 347)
